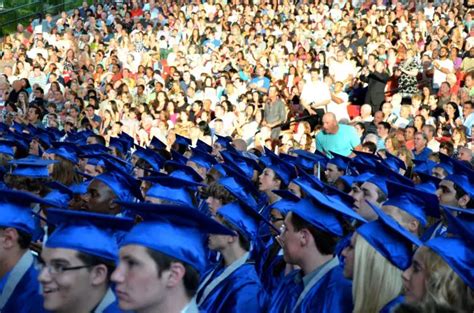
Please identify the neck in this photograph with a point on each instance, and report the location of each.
(272, 198)
(7, 264)
(232, 253)
(314, 261)
(170, 304)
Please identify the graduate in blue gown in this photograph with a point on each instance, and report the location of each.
(233, 284)
(19, 287)
(378, 253)
(309, 237)
(77, 260)
(161, 258)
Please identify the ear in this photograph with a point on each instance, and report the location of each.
(9, 238)
(175, 273)
(305, 237)
(414, 226)
(99, 275)
(463, 201)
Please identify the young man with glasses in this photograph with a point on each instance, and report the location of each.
(77, 262)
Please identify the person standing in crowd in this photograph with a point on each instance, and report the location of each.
(336, 137)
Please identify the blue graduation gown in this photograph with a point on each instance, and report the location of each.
(436, 230)
(25, 296)
(239, 291)
(392, 304)
(327, 291)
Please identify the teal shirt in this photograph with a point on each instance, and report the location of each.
(341, 142)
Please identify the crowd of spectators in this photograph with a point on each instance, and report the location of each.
(263, 72)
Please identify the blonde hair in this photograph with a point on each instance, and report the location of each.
(443, 284)
(376, 281)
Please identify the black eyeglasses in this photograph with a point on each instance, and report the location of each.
(276, 219)
(56, 269)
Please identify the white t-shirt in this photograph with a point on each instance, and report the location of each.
(315, 92)
(341, 71)
(340, 110)
(440, 77)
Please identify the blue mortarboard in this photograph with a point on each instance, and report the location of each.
(362, 178)
(338, 194)
(127, 138)
(155, 160)
(31, 166)
(119, 144)
(285, 171)
(172, 189)
(240, 163)
(22, 140)
(342, 162)
(89, 233)
(386, 172)
(204, 147)
(457, 251)
(17, 127)
(66, 150)
(364, 158)
(181, 140)
(460, 221)
(424, 166)
(446, 163)
(242, 217)
(379, 181)
(16, 210)
(316, 158)
(394, 162)
(79, 138)
(347, 179)
(59, 194)
(80, 188)
(319, 216)
(390, 239)
(462, 176)
(177, 231)
(92, 149)
(416, 202)
(183, 171)
(44, 138)
(428, 183)
(240, 189)
(157, 143)
(223, 141)
(331, 203)
(6, 147)
(306, 178)
(286, 202)
(55, 133)
(178, 157)
(202, 158)
(122, 184)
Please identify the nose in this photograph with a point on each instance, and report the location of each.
(406, 274)
(117, 275)
(44, 276)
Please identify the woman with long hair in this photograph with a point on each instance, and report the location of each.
(374, 260)
(442, 269)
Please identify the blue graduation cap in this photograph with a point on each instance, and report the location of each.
(16, 210)
(386, 172)
(463, 177)
(124, 186)
(286, 202)
(327, 202)
(22, 140)
(59, 195)
(31, 166)
(79, 138)
(181, 140)
(202, 158)
(460, 221)
(223, 141)
(172, 189)
(119, 144)
(155, 160)
(241, 189)
(416, 202)
(424, 166)
(394, 162)
(55, 133)
(390, 239)
(457, 251)
(86, 232)
(306, 178)
(347, 179)
(17, 127)
(342, 162)
(127, 138)
(285, 171)
(157, 144)
(368, 159)
(178, 157)
(362, 178)
(184, 172)
(428, 183)
(92, 149)
(6, 147)
(446, 163)
(240, 163)
(66, 150)
(316, 158)
(80, 188)
(175, 230)
(204, 147)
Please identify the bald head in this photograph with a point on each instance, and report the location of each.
(330, 123)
